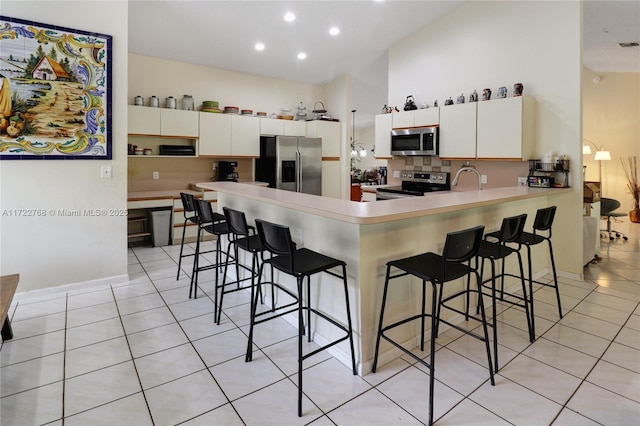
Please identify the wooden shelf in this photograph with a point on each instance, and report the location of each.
(139, 234)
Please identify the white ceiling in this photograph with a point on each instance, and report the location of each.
(221, 34)
(607, 23)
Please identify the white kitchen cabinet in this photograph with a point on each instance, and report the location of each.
(271, 126)
(215, 134)
(245, 136)
(426, 117)
(506, 128)
(383, 127)
(294, 128)
(329, 131)
(275, 127)
(458, 131)
(402, 119)
(162, 122)
(176, 122)
(416, 118)
(143, 120)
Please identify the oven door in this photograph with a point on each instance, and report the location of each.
(381, 194)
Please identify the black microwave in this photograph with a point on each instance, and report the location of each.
(415, 141)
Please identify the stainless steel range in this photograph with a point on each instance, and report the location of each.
(415, 184)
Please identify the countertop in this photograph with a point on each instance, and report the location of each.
(382, 211)
(160, 195)
(171, 194)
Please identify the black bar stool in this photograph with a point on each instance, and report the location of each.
(301, 264)
(459, 247)
(510, 232)
(542, 223)
(190, 216)
(241, 236)
(214, 223)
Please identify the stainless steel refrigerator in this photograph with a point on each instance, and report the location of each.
(291, 163)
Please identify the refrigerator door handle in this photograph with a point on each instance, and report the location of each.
(298, 171)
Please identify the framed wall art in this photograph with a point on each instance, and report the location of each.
(55, 92)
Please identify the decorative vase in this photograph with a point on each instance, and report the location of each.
(634, 215)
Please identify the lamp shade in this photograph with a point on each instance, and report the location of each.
(602, 155)
(586, 149)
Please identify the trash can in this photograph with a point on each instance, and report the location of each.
(160, 226)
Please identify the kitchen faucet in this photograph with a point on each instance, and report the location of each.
(467, 168)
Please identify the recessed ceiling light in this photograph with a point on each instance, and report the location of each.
(289, 17)
(302, 55)
(334, 31)
(259, 46)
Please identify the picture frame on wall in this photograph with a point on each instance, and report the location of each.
(55, 92)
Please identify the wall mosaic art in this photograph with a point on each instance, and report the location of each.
(55, 92)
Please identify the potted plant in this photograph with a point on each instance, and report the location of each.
(630, 168)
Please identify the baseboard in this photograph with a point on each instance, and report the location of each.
(96, 284)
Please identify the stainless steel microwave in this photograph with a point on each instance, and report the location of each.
(415, 141)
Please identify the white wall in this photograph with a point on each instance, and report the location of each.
(49, 251)
(492, 44)
(160, 77)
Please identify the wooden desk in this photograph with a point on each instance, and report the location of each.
(8, 286)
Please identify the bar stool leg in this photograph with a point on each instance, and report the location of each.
(527, 300)
(555, 277)
(349, 323)
(424, 301)
(432, 343)
(193, 287)
(384, 302)
(484, 327)
(184, 229)
(300, 332)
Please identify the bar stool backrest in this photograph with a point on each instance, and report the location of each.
(189, 205)
(544, 219)
(460, 246)
(204, 210)
(236, 221)
(277, 240)
(511, 229)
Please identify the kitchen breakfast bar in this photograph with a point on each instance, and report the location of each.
(368, 235)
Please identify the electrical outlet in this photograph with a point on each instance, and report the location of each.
(156, 175)
(105, 172)
(298, 236)
(522, 181)
(483, 178)
(396, 173)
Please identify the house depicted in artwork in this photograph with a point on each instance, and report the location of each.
(48, 69)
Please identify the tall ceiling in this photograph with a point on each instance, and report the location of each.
(222, 34)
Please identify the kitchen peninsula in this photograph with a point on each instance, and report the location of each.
(367, 235)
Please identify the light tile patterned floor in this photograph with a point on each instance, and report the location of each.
(140, 353)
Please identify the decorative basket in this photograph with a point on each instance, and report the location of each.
(319, 112)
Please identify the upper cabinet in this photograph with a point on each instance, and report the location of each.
(162, 122)
(245, 136)
(329, 131)
(458, 131)
(143, 120)
(416, 118)
(229, 135)
(383, 128)
(276, 127)
(215, 134)
(176, 122)
(506, 128)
